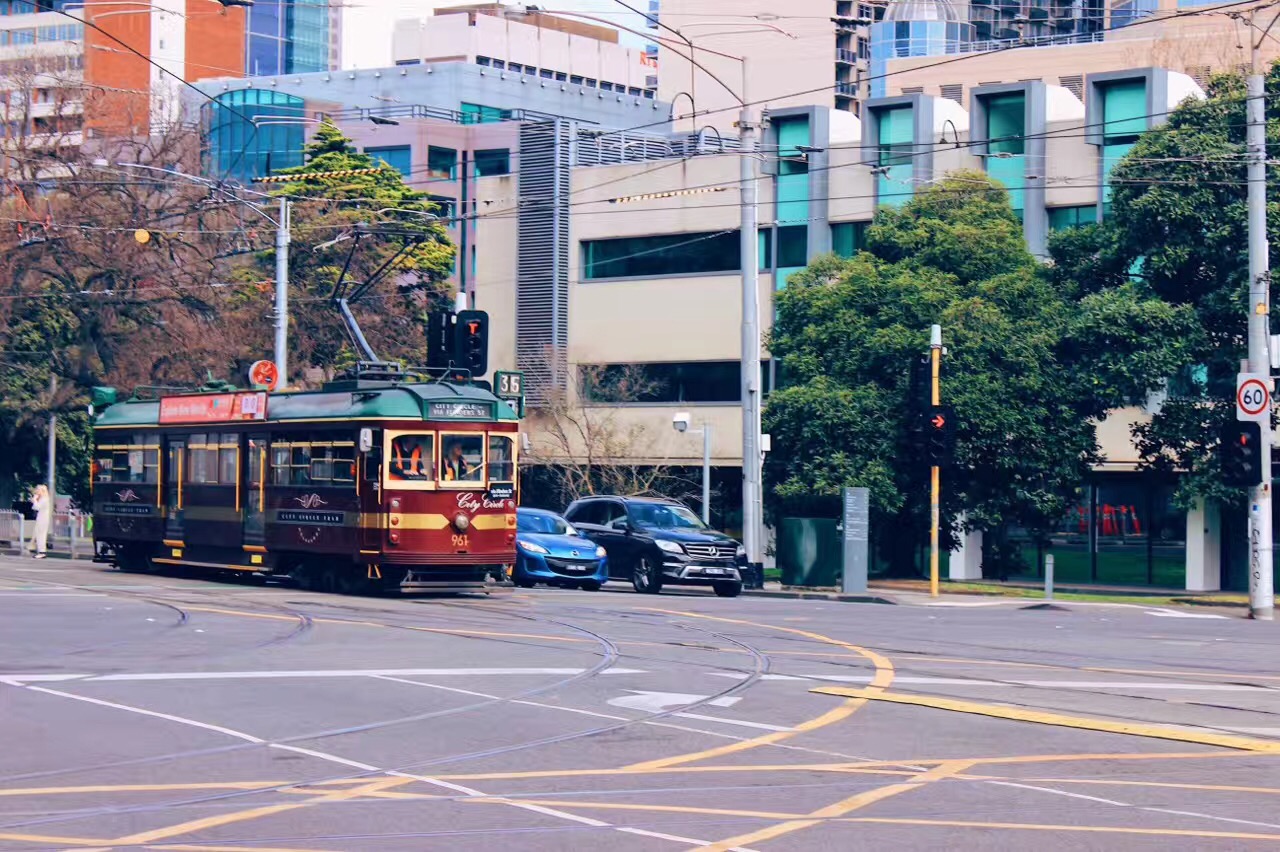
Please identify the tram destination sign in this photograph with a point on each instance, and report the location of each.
(460, 411)
(213, 408)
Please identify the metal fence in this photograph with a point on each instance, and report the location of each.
(70, 533)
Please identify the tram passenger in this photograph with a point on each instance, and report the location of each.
(411, 457)
(454, 465)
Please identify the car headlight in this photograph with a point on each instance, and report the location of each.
(531, 547)
(669, 546)
(741, 554)
(599, 553)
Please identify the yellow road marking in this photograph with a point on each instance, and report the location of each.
(879, 682)
(203, 848)
(1101, 829)
(839, 809)
(1043, 717)
(67, 841)
(876, 767)
(141, 788)
(610, 806)
(147, 837)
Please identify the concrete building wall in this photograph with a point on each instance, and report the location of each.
(471, 35)
(795, 67)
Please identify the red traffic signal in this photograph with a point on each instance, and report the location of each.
(939, 434)
(1242, 453)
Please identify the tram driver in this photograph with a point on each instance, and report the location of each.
(454, 465)
(411, 457)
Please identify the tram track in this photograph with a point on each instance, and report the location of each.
(761, 665)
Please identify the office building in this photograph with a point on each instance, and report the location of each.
(67, 75)
(287, 37)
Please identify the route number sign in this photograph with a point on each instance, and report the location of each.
(1253, 396)
(509, 385)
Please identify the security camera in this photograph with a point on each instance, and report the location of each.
(680, 421)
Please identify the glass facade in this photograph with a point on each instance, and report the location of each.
(239, 150)
(1006, 146)
(287, 37)
(481, 114)
(1061, 218)
(848, 238)
(896, 141)
(1124, 119)
(704, 253)
(896, 39)
(1128, 11)
(492, 161)
(399, 157)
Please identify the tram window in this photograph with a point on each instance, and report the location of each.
(228, 459)
(502, 466)
(462, 459)
(344, 463)
(372, 464)
(300, 463)
(202, 460)
(332, 463)
(413, 457)
(280, 463)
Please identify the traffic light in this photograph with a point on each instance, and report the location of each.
(471, 347)
(1242, 454)
(440, 339)
(939, 434)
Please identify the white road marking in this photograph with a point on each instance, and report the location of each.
(742, 723)
(1211, 816)
(677, 838)
(1012, 682)
(1061, 793)
(1173, 613)
(362, 766)
(656, 702)
(37, 593)
(317, 673)
(181, 720)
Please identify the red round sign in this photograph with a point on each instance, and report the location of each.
(1253, 397)
(264, 374)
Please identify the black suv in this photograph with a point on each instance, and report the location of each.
(654, 541)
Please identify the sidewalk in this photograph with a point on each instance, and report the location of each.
(915, 592)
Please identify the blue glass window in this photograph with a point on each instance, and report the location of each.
(238, 150)
(399, 157)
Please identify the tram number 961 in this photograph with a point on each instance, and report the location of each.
(461, 541)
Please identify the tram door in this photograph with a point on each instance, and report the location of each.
(255, 528)
(173, 473)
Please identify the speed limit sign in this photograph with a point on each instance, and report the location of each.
(1253, 396)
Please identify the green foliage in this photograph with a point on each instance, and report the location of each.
(1030, 367)
(327, 208)
(1178, 223)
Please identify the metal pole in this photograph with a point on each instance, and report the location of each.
(706, 474)
(935, 488)
(1261, 591)
(1048, 577)
(51, 474)
(752, 492)
(282, 295)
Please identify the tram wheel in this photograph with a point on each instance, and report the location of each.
(327, 580)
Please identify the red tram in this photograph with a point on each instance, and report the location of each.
(368, 484)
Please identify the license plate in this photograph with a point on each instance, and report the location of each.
(709, 570)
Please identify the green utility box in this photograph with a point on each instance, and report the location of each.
(809, 552)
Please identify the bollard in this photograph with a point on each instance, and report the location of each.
(1048, 577)
(22, 533)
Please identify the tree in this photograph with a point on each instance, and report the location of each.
(1030, 367)
(1177, 224)
(327, 213)
(584, 442)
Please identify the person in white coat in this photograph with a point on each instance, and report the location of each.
(43, 507)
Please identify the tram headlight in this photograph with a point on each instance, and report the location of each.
(461, 522)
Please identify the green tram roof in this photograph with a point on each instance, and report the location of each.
(338, 401)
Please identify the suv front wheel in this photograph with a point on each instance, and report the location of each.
(647, 576)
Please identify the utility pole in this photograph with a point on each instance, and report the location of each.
(52, 461)
(706, 473)
(935, 485)
(1261, 591)
(752, 490)
(282, 295)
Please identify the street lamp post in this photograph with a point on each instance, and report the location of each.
(680, 422)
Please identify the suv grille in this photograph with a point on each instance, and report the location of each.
(711, 551)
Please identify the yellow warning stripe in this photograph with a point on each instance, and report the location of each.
(310, 175)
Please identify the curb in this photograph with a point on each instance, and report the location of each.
(817, 596)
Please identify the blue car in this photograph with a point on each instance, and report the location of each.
(549, 550)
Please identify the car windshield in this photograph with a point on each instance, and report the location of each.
(666, 517)
(546, 524)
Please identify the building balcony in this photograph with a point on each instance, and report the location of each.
(845, 56)
(846, 90)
